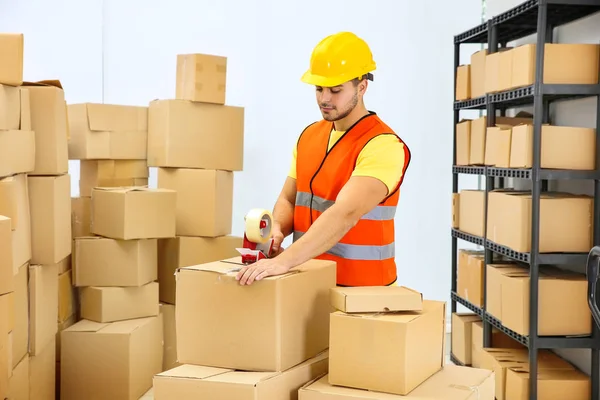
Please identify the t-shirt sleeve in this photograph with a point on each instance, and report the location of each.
(292, 171)
(385, 158)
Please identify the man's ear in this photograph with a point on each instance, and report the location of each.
(362, 86)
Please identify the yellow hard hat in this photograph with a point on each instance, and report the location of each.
(337, 59)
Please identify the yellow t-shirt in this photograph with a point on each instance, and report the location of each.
(382, 158)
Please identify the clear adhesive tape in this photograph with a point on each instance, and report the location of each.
(254, 233)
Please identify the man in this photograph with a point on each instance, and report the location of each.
(340, 197)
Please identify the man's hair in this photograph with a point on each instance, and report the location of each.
(356, 81)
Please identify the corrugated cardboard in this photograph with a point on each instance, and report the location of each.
(201, 77)
(285, 317)
(133, 213)
(478, 73)
(569, 384)
(366, 299)
(498, 69)
(6, 256)
(200, 382)
(470, 282)
(186, 251)
(455, 210)
(479, 133)
(110, 304)
(17, 152)
(463, 142)
(472, 212)
(7, 315)
(11, 68)
(452, 382)
(111, 173)
(563, 147)
(114, 361)
(81, 216)
(20, 333)
(170, 337)
(107, 132)
(387, 352)
(185, 134)
(565, 221)
(61, 327)
(499, 341)
(66, 297)
(49, 122)
(107, 262)
(19, 381)
(494, 286)
(50, 205)
(204, 200)
(497, 146)
(42, 373)
(10, 108)
(43, 306)
(14, 203)
(462, 336)
(5, 365)
(463, 82)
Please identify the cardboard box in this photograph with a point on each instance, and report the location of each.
(111, 173)
(107, 132)
(204, 200)
(81, 216)
(187, 251)
(6, 256)
(286, 317)
(133, 213)
(565, 221)
(43, 306)
(185, 134)
(478, 60)
(493, 283)
(463, 82)
(470, 283)
(14, 108)
(455, 209)
(497, 146)
(110, 360)
(107, 262)
(371, 299)
(20, 333)
(498, 70)
(49, 122)
(18, 384)
(7, 316)
(563, 64)
(17, 152)
(50, 205)
(198, 382)
(462, 336)
(202, 78)
(67, 296)
(110, 304)
(463, 142)
(42, 373)
(479, 133)
(562, 147)
(14, 203)
(452, 382)
(11, 48)
(472, 212)
(407, 348)
(552, 383)
(170, 337)
(499, 341)
(61, 327)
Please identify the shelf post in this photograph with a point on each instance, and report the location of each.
(454, 181)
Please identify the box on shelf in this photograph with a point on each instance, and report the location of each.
(6, 256)
(562, 383)
(372, 299)
(472, 212)
(14, 203)
(565, 221)
(49, 122)
(201, 78)
(107, 132)
(406, 347)
(43, 307)
(194, 381)
(462, 336)
(185, 251)
(204, 200)
(497, 146)
(463, 82)
(494, 273)
(96, 355)
(133, 213)
(463, 142)
(562, 147)
(286, 317)
(477, 146)
(478, 60)
(111, 304)
(564, 63)
(455, 210)
(111, 173)
(81, 216)
(11, 48)
(470, 268)
(500, 340)
(498, 67)
(185, 134)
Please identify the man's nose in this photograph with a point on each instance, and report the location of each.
(325, 96)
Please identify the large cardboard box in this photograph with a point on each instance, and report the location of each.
(11, 48)
(204, 200)
(563, 147)
(201, 77)
(133, 213)
(50, 205)
(169, 337)
(15, 110)
(463, 142)
(493, 282)
(470, 283)
(49, 122)
(107, 262)
(200, 382)
(566, 223)
(107, 132)
(6, 256)
(111, 304)
(472, 212)
(186, 251)
(81, 216)
(478, 60)
(111, 173)
(14, 203)
(462, 336)
(43, 307)
(498, 69)
(20, 332)
(463, 82)
(406, 347)
(110, 360)
(563, 64)
(452, 382)
(569, 384)
(285, 317)
(185, 134)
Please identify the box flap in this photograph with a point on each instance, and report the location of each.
(376, 299)
(229, 266)
(243, 377)
(50, 82)
(193, 372)
(130, 189)
(86, 326)
(401, 317)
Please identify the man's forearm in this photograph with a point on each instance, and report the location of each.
(283, 215)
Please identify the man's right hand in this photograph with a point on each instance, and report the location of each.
(277, 237)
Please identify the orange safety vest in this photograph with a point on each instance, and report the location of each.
(365, 255)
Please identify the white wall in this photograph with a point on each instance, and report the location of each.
(569, 113)
(124, 52)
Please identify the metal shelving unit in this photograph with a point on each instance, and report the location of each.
(541, 17)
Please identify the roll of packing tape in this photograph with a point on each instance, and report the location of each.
(254, 232)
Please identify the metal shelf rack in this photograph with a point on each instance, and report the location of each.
(530, 17)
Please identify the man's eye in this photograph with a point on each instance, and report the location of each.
(319, 89)
(335, 91)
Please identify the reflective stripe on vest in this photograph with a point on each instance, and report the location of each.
(379, 213)
(359, 252)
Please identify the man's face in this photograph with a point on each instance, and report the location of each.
(337, 102)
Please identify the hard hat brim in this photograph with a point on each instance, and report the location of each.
(326, 81)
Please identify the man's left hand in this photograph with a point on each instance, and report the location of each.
(261, 269)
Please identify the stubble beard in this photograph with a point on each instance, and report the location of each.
(332, 117)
